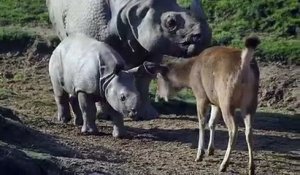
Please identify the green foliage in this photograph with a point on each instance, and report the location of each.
(276, 22)
(13, 33)
(183, 95)
(280, 17)
(283, 50)
(23, 12)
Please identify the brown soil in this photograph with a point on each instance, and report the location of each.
(163, 146)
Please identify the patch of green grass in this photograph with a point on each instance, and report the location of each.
(15, 33)
(185, 94)
(275, 21)
(29, 12)
(274, 49)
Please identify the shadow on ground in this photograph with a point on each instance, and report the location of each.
(263, 120)
(15, 133)
(270, 138)
(262, 142)
(24, 150)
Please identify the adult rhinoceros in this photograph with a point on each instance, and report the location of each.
(139, 30)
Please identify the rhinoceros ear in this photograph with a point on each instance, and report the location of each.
(148, 69)
(128, 21)
(197, 11)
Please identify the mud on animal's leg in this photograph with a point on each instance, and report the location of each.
(201, 110)
(248, 118)
(214, 117)
(88, 109)
(228, 116)
(63, 108)
(78, 120)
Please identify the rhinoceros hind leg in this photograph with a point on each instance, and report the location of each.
(63, 108)
(118, 126)
(88, 109)
(78, 120)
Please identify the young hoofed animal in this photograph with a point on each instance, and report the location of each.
(227, 79)
(84, 71)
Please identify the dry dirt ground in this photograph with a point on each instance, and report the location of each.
(162, 146)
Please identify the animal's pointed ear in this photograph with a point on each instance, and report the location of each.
(154, 68)
(148, 69)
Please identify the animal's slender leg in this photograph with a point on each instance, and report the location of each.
(88, 109)
(214, 116)
(228, 116)
(248, 133)
(63, 108)
(76, 110)
(201, 109)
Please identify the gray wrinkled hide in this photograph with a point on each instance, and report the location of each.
(90, 71)
(137, 29)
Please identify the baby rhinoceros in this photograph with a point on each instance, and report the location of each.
(84, 71)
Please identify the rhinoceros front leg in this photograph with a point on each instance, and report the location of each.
(63, 108)
(118, 126)
(117, 120)
(146, 111)
(88, 109)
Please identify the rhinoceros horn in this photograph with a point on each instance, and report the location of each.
(197, 10)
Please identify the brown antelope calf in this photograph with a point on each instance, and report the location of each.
(227, 79)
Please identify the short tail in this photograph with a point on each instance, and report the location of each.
(247, 54)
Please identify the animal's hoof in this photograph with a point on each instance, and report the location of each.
(200, 155)
(251, 170)
(199, 159)
(222, 168)
(210, 151)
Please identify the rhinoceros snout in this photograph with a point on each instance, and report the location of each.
(132, 112)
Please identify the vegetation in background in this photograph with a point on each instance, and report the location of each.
(15, 33)
(23, 12)
(277, 22)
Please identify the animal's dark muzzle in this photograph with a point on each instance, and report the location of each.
(132, 113)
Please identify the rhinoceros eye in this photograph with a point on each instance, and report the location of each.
(123, 98)
(171, 24)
